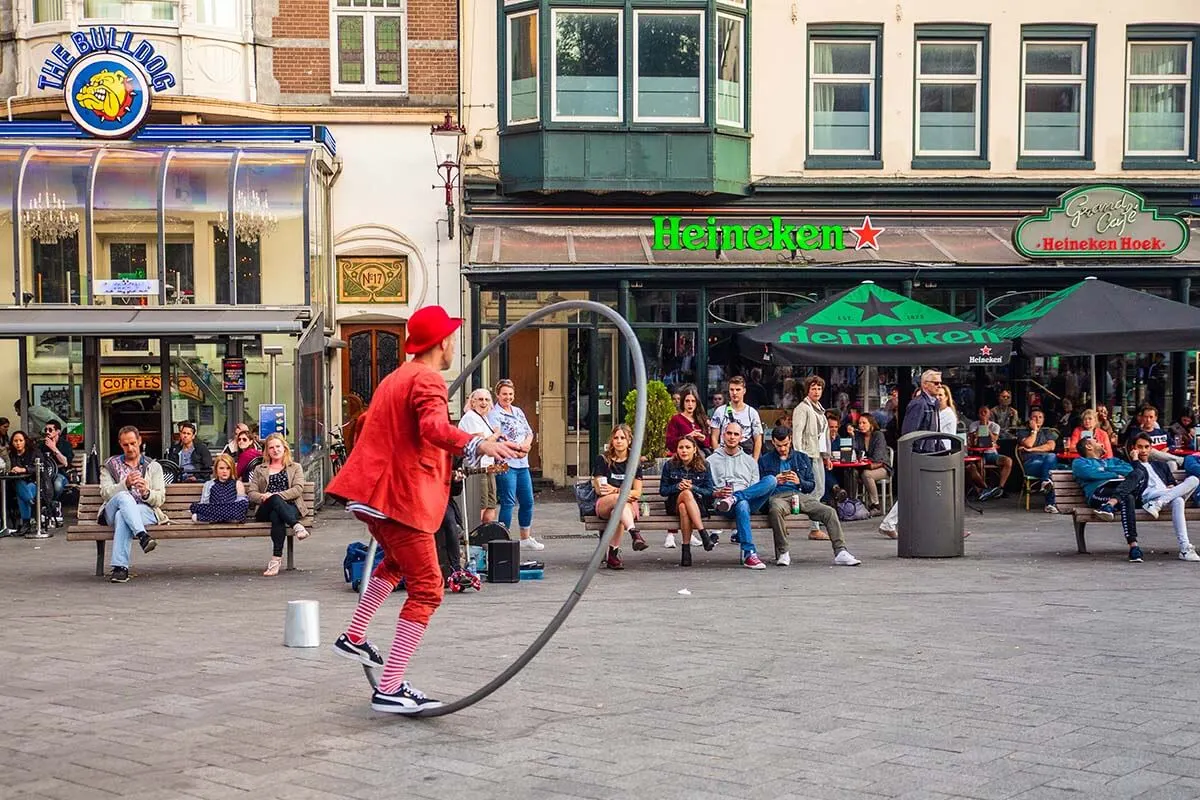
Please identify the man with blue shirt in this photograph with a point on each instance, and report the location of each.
(793, 471)
(1112, 487)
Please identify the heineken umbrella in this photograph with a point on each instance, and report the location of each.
(868, 324)
(1095, 317)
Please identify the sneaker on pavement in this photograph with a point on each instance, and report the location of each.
(147, 542)
(888, 532)
(1135, 554)
(695, 541)
(532, 543)
(639, 541)
(1051, 508)
(1105, 514)
(752, 561)
(670, 542)
(733, 537)
(364, 653)
(1047, 486)
(119, 575)
(1152, 508)
(783, 560)
(995, 491)
(845, 559)
(405, 700)
(725, 504)
(1189, 554)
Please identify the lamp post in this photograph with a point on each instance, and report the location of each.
(446, 137)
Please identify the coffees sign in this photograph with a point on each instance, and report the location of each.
(1100, 222)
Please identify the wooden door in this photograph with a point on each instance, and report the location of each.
(372, 353)
(524, 372)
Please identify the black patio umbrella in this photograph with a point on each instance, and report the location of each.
(1094, 317)
(868, 324)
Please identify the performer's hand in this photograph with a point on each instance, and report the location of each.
(500, 450)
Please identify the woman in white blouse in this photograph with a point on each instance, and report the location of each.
(475, 420)
(515, 487)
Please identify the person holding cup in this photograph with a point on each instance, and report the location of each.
(608, 473)
(1089, 427)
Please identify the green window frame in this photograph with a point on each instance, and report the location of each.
(1045, 47)
(937, 85)
(831, 84)
(1185, 86)
(521, 46)
(369, 46)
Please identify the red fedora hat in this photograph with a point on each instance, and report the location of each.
(427, 327)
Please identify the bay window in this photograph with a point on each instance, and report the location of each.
(587, 57)
(523, 94)
(668, 66)
(731, 70)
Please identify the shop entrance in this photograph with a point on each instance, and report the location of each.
(142, 409)
(524, 371)
(374, 352)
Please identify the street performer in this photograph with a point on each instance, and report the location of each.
(397, 481)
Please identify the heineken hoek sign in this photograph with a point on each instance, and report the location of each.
(1100, 222)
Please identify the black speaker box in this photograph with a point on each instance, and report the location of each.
(504, 561)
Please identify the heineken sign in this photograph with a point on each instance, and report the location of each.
(673, 233)
(1100, 222)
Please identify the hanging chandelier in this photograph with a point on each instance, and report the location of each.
(253, 218)
(47, 219)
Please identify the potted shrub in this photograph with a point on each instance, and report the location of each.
(659, 410)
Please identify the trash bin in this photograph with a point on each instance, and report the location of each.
(931, 495)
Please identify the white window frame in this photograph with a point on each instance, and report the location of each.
(537, 72)
(940, 79)
(369, 15)
(64, 10)
(237, 15)
(125, 17)
(741, 23)
(870, 78)
(611, 12)
(1081, 79)
(655, 12)
(1185, 80)
(733, 3)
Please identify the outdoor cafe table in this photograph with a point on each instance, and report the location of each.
(852, 468)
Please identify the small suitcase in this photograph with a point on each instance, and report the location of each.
(504, 559)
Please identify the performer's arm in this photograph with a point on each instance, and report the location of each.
(429, 398)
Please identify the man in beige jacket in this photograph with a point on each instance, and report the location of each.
(133, 490)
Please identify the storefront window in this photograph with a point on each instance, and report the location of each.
(320, 244)
(52, 211)
(269, 218)
(249, 270)
(8, 179)
(125, 228)
(54, 269)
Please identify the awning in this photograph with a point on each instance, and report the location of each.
(150, 321)
(503, 244)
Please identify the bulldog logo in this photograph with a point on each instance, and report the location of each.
(108, 94)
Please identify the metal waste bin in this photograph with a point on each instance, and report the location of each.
(931, 495)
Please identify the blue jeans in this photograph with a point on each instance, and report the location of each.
(515, 487)
(26, 493)
(1038, 466)
(60, 485)
(128, 518)
(749, 500)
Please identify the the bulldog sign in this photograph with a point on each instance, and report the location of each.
(107, 77)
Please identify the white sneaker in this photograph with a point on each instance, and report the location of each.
(784, 560)
(670, 542)
(1152, 508)
(844, 559)
(695, 542)
(532, 544)
(1189, 554)
(888, 532)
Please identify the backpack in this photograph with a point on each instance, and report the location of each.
(585, 497)
(852, 509)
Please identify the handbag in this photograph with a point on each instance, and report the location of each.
(852, 509)
(585, 498)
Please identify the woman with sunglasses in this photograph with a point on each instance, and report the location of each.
(245, 451)
(515, 486)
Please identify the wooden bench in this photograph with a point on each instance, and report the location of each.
(177, 507)
(662, 522)
(1069, 498)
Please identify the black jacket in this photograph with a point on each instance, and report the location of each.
(202, 460)
(1163, 471)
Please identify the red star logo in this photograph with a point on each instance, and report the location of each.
(867, 235)
(985, 350)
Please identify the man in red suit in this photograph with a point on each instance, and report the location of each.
(397, 481)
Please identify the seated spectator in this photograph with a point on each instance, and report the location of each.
(1111, 486)
(277, 489)
(985, 434)
(1089, 425)
(1006, 416)
(1179, 435)
(739, 489)
(870, 442)
(133, 490)
(245, 452)
(57, 450)
(1068, 420)
(231, 447)
(690, 422)
(608, 473)
(849, 422)
(688, 488)
(192, 456)
(4, 423)
(1037, 454)
(223, 499)
(834, 493)
(792, 471)
(1163, 490)
(1160, 446)
(21, 455)
(1104, 423)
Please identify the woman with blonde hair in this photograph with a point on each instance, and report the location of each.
(277, 489)
(223, 499)
(608, 473)
(475, 421)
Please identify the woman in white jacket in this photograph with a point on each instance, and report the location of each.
(810, 435)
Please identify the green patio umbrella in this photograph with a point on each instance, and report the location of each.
(868, 324)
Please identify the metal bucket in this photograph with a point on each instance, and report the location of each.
(302, 628)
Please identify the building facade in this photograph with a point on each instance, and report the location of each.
(899, 143)
(152, 144)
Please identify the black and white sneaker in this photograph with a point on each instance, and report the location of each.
(364, 653)
(406, 700)
(147, 542)
(119, 575)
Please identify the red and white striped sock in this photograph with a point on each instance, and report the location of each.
(408, 637)
(377, 591)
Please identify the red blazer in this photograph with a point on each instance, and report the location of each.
(401, 463)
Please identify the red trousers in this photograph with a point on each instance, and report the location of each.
(412, 555)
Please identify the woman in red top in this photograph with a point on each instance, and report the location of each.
(690, 423)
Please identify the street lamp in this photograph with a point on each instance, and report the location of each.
(446, 137)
